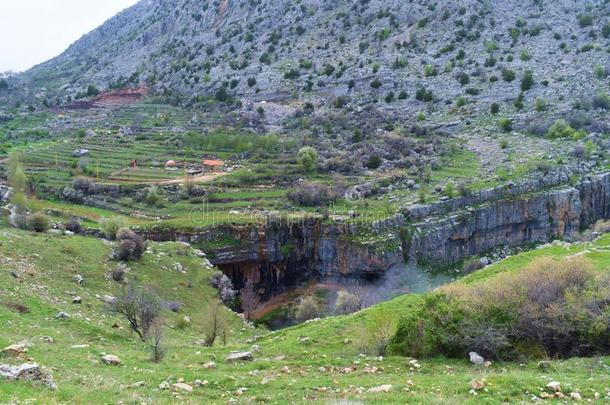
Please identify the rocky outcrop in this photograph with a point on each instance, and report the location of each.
(278, 254)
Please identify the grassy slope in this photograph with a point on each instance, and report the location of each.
(53, 261)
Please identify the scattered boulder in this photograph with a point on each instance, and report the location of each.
(476, 358)
(77, 300)
(209, 365)
(137, 384)
(380, 388)
(27, 372)
(477, 385)
(576, 396)
(239, 356)
(554, 386)
(111, 360)
(62, 315)
(182, 387)
(164, 386)
(14, 350)
(80, 280)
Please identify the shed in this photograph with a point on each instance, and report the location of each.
(171, 164)
(213, 165)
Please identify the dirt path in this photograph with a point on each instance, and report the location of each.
(204, 178)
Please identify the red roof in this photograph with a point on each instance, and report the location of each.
(213, 163)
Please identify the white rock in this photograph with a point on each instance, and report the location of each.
(183, 387)
(475, 358)
(239, 356)
(380, 388)
(111, 360)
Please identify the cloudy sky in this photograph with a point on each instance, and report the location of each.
(33, 31)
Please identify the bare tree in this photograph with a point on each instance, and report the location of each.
(249, 298)
(141, 307)
(156, 337)
(214, 323)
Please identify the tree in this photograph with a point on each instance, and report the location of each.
(307, 157)
(214, 323)
(249, 298)
(141, 307)
(17, 179)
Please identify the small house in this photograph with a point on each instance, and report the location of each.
(213, 166)
(171, 165)
(81, 153)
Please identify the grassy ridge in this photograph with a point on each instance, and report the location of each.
(287, 370)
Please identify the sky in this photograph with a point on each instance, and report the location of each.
(34, 31)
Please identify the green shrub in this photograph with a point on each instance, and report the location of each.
(421, 94)
(39, 222)
(540, 105)
(585, 20)
(561, 129)
(111, 226)
(555, 308)
(508, 75)
(601, 100)
(494, 108)
(505, 124)
(429, 70)
(527, 82)
(307, 157)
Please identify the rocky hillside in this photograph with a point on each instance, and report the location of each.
(403, 53)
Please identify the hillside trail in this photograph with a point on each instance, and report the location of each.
(204, 178)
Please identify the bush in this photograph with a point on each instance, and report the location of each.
(74, 225)
(505, 124)
(377, 333)
(561, 129)
(527, 82)
(601, 100)
(156, 337)
(131, 245)
(307, 157)
(508, 75)
(39, 222)
(421, 94)
(555, 308)
(225, 288)
(347, 303)
(495, 108)
(214, 324)
(308, 308)
(312, 195)
(141, 307)
(585, 20)
(153, 197)
(111, 226)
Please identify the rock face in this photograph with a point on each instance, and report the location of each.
(264, 47)
(278, 255)
(27, 372)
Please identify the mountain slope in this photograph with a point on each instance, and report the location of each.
(368, 50)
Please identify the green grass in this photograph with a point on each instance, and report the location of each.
(47, 265)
